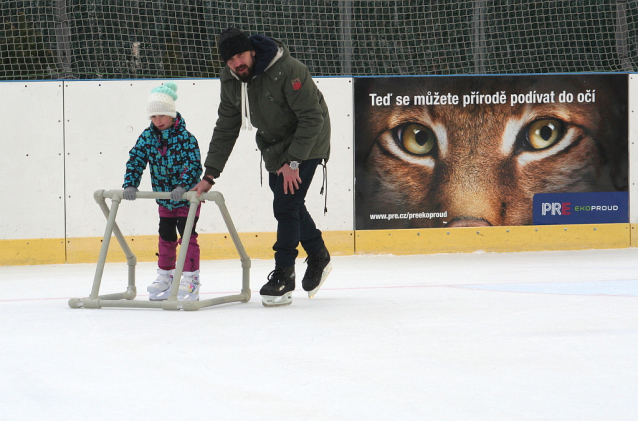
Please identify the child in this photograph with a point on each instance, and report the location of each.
(175, 166)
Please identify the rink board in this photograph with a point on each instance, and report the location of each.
(65, 139)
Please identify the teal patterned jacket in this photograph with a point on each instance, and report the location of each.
(173, 157)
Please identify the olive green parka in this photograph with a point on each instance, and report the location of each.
(286, 107)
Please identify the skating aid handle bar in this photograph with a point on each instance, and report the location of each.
(191, 196)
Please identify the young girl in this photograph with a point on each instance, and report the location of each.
(175, 166)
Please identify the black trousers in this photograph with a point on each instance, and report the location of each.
(294, 223)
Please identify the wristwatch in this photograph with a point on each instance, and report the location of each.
(294, 165)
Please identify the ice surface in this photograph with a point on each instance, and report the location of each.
(492, 336)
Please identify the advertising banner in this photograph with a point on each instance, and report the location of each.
(581, 208)
(470, 151)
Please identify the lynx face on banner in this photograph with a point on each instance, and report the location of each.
(452, 161)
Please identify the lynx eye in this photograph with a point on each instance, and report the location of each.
(416, 139)
(542, 134)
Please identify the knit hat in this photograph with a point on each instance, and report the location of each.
(233, 41)
(162, 100)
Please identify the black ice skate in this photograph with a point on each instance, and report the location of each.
(278, 290)
(319, 267)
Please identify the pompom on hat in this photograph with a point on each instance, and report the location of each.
(162, 100)
(233, 41)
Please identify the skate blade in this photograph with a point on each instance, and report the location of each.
(276, 300)
(324, 275)
(159, 296)
(163, 296)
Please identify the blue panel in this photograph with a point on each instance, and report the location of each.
(581, 208)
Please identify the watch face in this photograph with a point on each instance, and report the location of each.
(294, 165)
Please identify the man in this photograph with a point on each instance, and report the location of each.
(264, 86)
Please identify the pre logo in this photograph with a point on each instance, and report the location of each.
(556, 208)
(581, 208)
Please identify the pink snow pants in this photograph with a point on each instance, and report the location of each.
(172, 222)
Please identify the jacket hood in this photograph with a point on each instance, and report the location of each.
(265, 51)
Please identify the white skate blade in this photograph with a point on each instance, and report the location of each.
(162, 296)
(188, 297)
(277, 300)
(184, 295)
(159, 296)
(324, 275)
(151, 290)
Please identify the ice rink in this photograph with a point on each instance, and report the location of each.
(484, 336)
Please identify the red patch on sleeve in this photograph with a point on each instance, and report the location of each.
(296, 84)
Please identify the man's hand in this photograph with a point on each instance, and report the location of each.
(291, 178)
(202, 187)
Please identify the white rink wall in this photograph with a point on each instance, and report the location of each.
(63, 140)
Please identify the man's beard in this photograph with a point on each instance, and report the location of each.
(246, 77)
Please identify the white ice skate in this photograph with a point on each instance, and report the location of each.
(189, 287)
(160, 289)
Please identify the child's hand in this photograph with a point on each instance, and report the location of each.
(130, 193)
(177, 193)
